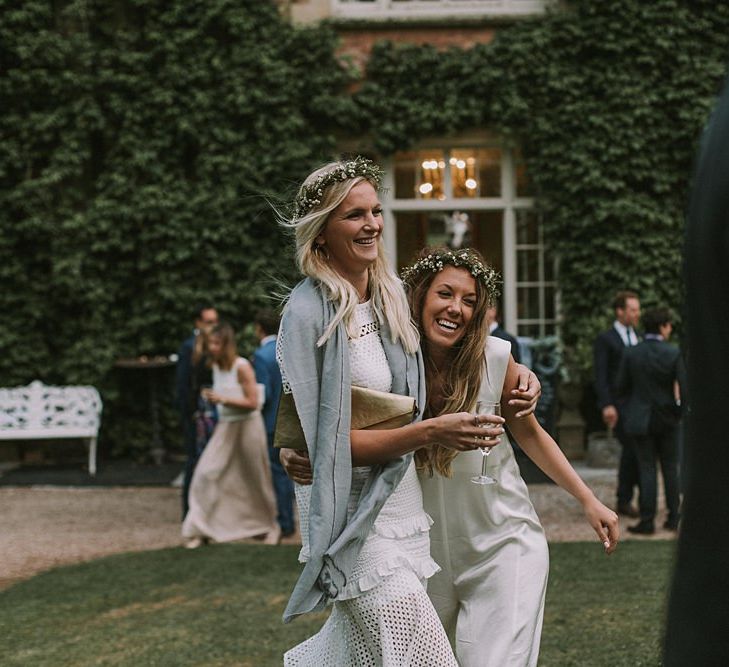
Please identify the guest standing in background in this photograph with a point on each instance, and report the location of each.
(608, 351)
(495, 329)
(649, 377)
(269, 375)
(231, 494)
(187, 374)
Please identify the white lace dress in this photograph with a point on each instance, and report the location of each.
(383, 616)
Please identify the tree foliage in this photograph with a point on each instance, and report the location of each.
(141, 142)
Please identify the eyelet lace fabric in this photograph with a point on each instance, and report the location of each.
(383, 616)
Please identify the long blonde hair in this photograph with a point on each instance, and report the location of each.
(467, 361)
(388, 298)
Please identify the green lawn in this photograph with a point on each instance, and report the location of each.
(222, 605)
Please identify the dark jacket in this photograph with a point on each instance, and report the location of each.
(646, 376)
(269, 375)
(608, 351)
(183, 378)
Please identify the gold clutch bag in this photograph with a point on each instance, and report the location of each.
(371, 410)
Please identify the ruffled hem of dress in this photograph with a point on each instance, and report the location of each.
(408, 527)
(424, 568)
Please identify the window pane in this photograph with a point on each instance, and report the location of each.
(527, 227)
(527, 303)
(476, 173)
(549, 299)
(528, 330)
(489, 170)
(431, 175)
(487, 236)
(549, 268)
(523, 184)
(405, 172)
(411, 234)
(527, 266)
(420, 174)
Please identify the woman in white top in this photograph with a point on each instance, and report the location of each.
(231, 494)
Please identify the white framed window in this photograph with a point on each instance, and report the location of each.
(387, 9)
(475, 194)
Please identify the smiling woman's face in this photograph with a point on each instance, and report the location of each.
(351, 232)
(448, 307)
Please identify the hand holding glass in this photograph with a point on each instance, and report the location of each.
(485, 408)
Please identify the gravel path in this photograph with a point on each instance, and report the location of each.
(44, 527)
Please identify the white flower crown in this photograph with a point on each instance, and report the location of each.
(438, 258)
(312, 194)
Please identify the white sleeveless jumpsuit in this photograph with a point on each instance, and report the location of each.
(491, 547)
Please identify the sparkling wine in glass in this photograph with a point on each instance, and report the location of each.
(485, 408)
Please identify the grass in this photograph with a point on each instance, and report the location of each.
(222, 605)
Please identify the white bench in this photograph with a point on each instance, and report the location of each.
(39, 411)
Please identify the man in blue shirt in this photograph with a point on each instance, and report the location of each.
(269, 375)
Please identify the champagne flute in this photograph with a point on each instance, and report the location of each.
(485, 408)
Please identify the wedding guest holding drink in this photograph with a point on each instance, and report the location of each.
(231, 494)
(486, 536)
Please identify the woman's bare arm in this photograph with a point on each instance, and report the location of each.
(539, 446)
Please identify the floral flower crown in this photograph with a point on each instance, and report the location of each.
(311, 195)
(438, 258)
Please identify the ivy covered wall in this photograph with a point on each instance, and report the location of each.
(608, 101)
(140, 140)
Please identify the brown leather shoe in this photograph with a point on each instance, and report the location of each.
(626, 509)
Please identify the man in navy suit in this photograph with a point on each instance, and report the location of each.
(608, 351)
(268, 374)
(495, 329)
(649, 374)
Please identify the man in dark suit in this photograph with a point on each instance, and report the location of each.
(696, 630)
(608, 351)
(268, 374)
(206, 317)
(495, 329)
(648, 375)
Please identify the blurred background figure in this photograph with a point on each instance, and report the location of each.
(231, 493)
(190, 375)
(649, 377)
(608, 351)
(268, 374)
(458, 230)
(495, 329)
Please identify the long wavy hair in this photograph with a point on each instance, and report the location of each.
(229, 348)
(388, 297)
(465, 368)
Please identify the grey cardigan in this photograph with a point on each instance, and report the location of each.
(320, 382)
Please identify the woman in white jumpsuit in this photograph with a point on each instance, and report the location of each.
(487, 539)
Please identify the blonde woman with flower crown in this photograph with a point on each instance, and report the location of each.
(365, 544)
